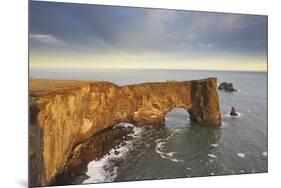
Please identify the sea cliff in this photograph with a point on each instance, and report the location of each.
(71, 122)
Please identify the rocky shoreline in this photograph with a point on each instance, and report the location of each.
(72, 122)
(93, 149)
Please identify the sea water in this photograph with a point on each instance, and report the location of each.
(182, 148)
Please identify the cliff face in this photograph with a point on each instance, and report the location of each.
(65, 115)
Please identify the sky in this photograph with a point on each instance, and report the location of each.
(72, 36)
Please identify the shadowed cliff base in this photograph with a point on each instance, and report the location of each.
(69, 117)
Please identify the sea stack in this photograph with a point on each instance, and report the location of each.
(233, 112)
(66, 117)
(224, 86)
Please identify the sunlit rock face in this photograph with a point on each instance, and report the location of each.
(65, 115)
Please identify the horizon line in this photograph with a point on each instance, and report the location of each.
(132, 68)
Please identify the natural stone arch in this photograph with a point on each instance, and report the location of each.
(198, 97)
(69, 113)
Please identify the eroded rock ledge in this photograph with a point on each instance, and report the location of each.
(66, 115)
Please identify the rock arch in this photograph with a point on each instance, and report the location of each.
(65, 114)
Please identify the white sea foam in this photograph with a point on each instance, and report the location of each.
(176, 130)
(230, 116)
(264, 153)
(212, 155)
(97, 170)
(104, 169)
(160, 149)
(171, 154)
(147, 145)
(224, 124)
(124, 125)
(137, 132)
(242, 155)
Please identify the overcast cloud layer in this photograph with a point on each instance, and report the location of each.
(75, 30)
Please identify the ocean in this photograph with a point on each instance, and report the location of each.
(181, 148)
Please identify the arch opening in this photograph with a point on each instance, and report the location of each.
(177, 117)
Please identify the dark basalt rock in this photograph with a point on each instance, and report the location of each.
(233, 112)
(224, 86)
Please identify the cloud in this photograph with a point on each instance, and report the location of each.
(47, 39)
(77, 29)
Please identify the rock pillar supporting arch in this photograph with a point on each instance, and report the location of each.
(205, 109)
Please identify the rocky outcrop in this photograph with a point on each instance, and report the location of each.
(72, 119)
(233, 112)
(224, 86)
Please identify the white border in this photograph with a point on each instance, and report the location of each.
(13, 99)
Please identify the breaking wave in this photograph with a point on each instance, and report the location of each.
(105, 169)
